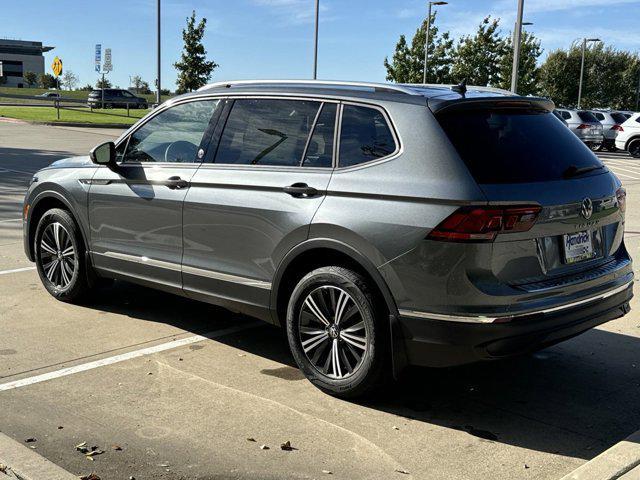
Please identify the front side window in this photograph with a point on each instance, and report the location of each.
(267, 132)
(365, 135)
(173, 135)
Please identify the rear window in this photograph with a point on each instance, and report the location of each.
(587, 116)
(515, 147)
(618, 117)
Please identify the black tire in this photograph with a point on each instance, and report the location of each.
(77, 286)
(368, 373)
(596, 147)
(634, 148)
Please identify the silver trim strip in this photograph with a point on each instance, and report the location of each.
(225, 277)
(486, 319)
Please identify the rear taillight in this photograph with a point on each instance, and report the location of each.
(482, 224)
(621, 195)
(583, 126)
(617, 128)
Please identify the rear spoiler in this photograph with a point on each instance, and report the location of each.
(515, 102)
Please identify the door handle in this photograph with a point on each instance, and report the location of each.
(176, 183)
(300, 190)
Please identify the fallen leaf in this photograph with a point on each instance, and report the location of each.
(90, 458)
(286, 446)
(404, 472)
(30, 440)
(327, 472)
(163, 465)
(80, 445)
(91, 476)
(3, 468)
(60, 427)
(93, 453)
(396, 428)
(251, 439)
(264, 447)
(526, 466)
(116, 447)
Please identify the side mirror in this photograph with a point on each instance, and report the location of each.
(103, 154)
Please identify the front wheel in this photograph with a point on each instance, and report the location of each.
(336, 334)
(59, 253)
(634, 148)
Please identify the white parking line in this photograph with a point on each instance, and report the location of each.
(16, 270)
(616, 169)
(11, 220)
(125, 356)
(15, 171)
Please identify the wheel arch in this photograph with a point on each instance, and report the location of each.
(631, 139)
(321, 252)
(44, 201)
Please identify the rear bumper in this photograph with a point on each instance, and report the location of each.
(435, 342)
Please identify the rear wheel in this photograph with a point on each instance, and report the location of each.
(59, 253)
(596, 146)
(336, 334)
(634, 148)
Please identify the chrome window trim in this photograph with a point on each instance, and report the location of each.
(250, 282)
(486, 319)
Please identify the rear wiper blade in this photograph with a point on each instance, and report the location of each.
(574, 171)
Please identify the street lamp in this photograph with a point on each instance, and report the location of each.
(426, 42)
(584, 47)
(158, 74)
(315, 46)
(517, 39)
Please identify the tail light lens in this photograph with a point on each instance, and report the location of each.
(482, 224)
(617, 128)
(621, 195)
(583, 126)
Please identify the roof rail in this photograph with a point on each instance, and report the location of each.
(448, 86)
(381, 87)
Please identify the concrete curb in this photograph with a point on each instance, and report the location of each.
(85, 125)
(26, 464)
(622, 461)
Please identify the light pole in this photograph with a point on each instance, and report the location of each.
(584, 47)
(315, 43)
(426, 42)
(158, 101)
(517, 39)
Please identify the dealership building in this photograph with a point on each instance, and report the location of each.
(18, 57)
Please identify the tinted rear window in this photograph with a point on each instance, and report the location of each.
(515, 147)
(618, 117)
(587, 116)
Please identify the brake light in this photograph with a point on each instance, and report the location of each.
(482, 224)
(583, 126)
(621, 195)
(617, 128)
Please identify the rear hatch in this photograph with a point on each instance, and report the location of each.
(522, 157)
(589, 126)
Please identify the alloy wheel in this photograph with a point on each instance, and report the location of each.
(333, 333)
(57, 255)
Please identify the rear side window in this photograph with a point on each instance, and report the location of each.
(267, 132)
(365, 135)
(566, 115)
(500, 146)
(320, 149)
(587, 116)
(599, 116)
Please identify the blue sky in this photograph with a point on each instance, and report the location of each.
(273, 38)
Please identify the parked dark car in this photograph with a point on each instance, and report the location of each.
(116, 98)
(380, 225)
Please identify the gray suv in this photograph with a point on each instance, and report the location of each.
(380, 225)
(115, 98)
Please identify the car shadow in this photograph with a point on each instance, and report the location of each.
(587, 388)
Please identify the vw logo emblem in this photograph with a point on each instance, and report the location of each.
(586, 210)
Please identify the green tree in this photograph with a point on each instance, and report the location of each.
(48, 81)
(87, 88)
(194, 70)
(610, 77)
(477, 58)
(103, 83)
(407, 63)
(139, 85)
(528, 71)
(31, 78)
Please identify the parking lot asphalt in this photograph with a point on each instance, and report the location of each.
(191, 391)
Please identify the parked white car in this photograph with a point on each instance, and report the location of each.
(629, 138)
(611, 122)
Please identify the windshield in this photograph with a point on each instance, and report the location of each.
(502, 146)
